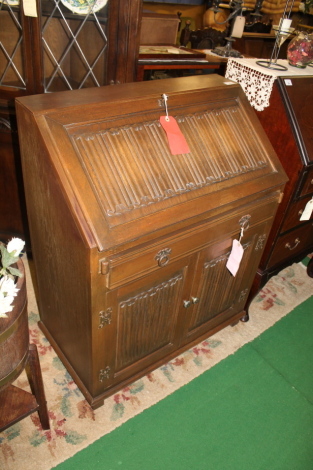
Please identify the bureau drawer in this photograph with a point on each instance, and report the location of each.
(294, 242)
(294, 214)
(308, 184)
(137, 263)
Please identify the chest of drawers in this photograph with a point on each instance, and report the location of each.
(130, 243)
(288, 122)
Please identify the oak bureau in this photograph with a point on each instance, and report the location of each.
(130, 242)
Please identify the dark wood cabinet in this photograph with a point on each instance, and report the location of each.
(60, 49)
(131, 243)
(288, 123)
(259, 45)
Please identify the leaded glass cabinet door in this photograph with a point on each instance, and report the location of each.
(74, 44)
(71, 44)
(12, 73)
(16, 79)
(88, 43)
(15, 47)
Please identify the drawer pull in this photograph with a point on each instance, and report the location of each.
(186, 303)
(244, 222)
(195, 300)
(162, 257)
(297, 241)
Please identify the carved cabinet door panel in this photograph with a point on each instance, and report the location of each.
(217, 295)
(145, 319)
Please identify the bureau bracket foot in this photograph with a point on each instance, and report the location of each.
(245, 318)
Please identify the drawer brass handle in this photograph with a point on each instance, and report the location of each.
(162, 257)
(297, 241)
(186, 303)
(195, 300)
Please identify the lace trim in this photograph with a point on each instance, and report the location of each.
(256, 84)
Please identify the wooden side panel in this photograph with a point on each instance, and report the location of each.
(61, 255)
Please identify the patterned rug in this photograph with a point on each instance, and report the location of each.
(74, 425)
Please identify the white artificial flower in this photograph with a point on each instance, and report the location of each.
(8, 291)
(15, 246)
(4, 308)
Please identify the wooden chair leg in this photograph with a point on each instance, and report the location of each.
(34, 376)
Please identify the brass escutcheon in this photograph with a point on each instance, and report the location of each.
(162, 257)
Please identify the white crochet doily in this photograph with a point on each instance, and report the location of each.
(257, 81)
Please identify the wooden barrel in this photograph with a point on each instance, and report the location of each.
(14, 335)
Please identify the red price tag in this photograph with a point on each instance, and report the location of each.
(175, 137)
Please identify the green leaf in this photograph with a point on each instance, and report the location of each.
(6, 257)
(14, 271)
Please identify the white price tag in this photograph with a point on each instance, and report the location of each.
(307, 213)
(30, 8)
(238, 27)
(235, 257)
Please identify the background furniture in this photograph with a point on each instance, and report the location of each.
(207, 38)
(287, 121)
(174, 67)
(131, 243)
(289, 125)
(259, 45)
(16, 354)
(17, 404)
(177, 59)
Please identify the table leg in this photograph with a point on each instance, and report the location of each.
(33, 371)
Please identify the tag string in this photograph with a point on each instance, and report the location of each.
(165, 97)
(241, 234)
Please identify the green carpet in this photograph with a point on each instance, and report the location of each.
(252, 411)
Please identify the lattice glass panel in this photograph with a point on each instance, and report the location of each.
(74, 43)
(12, 72)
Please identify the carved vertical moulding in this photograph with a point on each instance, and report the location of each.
(144, 321)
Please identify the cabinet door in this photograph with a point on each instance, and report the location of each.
(16, 74)
(217, 295)
(86, 44)
(70, 44)
(144, 320)
(72, 38)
